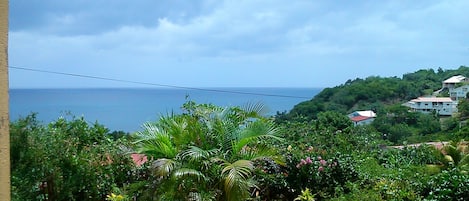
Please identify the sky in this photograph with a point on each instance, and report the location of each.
(231, 43)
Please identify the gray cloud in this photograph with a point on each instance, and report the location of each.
(300, 41)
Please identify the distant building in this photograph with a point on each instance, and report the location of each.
(444, 106)
(451, 82)
(459, 92)
(362, 117)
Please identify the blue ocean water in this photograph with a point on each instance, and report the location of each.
(127, 109)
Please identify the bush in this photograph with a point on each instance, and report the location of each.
(448, 185)
(325, 177)
(65, 160)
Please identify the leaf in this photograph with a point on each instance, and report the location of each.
(195, 153)
(156, 142)
(164, 167)
(187, 172)
(236, 176)
(255, 110)
(255, 132)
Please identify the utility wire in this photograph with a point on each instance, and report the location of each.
(155, 84)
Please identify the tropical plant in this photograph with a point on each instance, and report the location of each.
(456, 154)
(305, 196)
(208, 152)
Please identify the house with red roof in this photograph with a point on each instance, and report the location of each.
(364, 117)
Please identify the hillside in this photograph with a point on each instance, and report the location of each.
(373, 92)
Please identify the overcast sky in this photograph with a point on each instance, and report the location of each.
(232, 43)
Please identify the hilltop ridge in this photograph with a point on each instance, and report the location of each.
(373, 92)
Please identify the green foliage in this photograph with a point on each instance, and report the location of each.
(305, 196)
(373, 92)
(456, 154)
(409, 156)
(208, 151)
(398, 124)
(449, 185)
(324, 176)
(333, 120)
(463, 109)
(65, 160)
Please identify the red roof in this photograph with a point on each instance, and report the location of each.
(139, 159)
(359, 118)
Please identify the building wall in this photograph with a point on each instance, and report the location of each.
(459, 92)
(442, 108)
(364, 122)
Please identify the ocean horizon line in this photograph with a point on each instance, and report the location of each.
(127, 108)
(171, 88)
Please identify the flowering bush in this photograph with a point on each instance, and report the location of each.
(323, 176)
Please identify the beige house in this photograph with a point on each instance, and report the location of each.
(451, 82)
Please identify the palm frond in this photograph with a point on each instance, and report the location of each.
(155, 142)
(257, 152)
(194, 153)
(187, 172)
(163, 167)
(236, 176)
(453, 152)
(255, 110)
(465, 160)
(255, 132)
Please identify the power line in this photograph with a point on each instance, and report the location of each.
(154, 84)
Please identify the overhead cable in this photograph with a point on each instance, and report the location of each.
(154, 84)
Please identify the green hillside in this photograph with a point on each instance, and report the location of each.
(373, 92)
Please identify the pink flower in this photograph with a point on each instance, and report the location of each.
(320, 169)
(319, 158)
(308, 160)
(298, 166)
(323, 162)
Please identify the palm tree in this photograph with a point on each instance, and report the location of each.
(457, 154)
(207, 153)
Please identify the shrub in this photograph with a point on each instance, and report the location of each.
(323, 176)
(65, 160)
(448, 185)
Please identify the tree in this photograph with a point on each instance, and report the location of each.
(463, 109)
(335, 120)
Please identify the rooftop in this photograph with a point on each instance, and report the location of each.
(455, 79)
(366, 113)
(359, 118)
(432, 99)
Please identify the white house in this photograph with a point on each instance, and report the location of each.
(451, 82)
(365, 113)
(444, 106)
(458, 93)
(362, 117)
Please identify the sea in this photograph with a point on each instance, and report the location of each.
(127, 109)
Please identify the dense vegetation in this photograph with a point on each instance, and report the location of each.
(385, 96)
(373, 93)
(236, 153)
